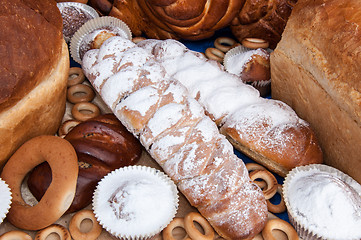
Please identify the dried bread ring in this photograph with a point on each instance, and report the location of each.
(255, 166)
(61, 156)
(269, 178)
(15, 235)
(85, 110)
(138, 39)
(55, 228)
(224, 43)
(279, 224)
(168, 231)
(75, 76)
(281, 207)
(193, 232)
(255, 43)
(76, 220)
(80, 93)
(214, 54)
(67, 126)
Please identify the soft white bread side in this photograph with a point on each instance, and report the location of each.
(179, 136)
(316, 70)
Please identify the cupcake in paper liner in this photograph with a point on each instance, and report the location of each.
(135, 202)
(251, 65)
(94, 32)
(74, 15)
(323, 203)
(5, 199)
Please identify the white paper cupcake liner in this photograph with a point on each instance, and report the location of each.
(5, 199)
(302, 227)
(119, 27)
(83, 7)
(129, 183)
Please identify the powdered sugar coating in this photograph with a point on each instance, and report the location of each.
(5, 199)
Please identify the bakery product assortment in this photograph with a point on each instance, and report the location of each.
(33, 89)
(179, 136)
(315, 71)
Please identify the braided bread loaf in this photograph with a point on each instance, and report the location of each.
(267, 130)
(179, 136)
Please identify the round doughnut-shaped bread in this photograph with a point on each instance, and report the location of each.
(269, 178)
(61, 231)
(214, 54)
(277, 208)
(61, 156)
(76, 220)
(15, 235)
(279, 224)
(193, 232)
(177, 222)
(76, 76)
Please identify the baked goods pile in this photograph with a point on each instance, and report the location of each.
(195, 20)
(315, 70)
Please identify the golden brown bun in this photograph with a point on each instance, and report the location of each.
(315, 69)
(265, 19)
(34, 72)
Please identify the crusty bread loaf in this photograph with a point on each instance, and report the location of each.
(268, 131)
(179, 136)
(315, 69)
(34, 70)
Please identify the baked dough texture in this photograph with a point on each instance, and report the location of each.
(33, 71)
(315, 69)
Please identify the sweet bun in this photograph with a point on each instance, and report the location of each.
(34, 72)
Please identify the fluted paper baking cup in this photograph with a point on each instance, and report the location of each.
(112, 24)
(135, 202)
(5, 199)
(72, 24)
(305, 227)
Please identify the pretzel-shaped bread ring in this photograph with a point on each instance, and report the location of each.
(15, 235)
(193, 232)
(85, 110)
(168, 231)
(225, 43)
(80, 93)
(255, 43)
(55, 228)
(279, 224)
(214, 54)
(75, 76)
(281, 207)
(76, 220)
(268, 177)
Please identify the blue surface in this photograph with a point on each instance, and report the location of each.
(201, 46)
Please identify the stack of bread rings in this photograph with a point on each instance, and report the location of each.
(80, 97)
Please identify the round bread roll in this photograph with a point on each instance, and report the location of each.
(34, 70)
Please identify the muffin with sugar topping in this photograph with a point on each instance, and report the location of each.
(5, 199)
(135, 202)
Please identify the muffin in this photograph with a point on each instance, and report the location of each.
(5, 199)
(135, 202)
(94, 32)
(323, 203)
(74, 15)
(251, 65)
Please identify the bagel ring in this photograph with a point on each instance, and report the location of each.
(214, 54)
(281, 207)
(138, 39)
(280, 225)
(168, 231)
(80, 93)
(193, 232)
(55, 228)
(15, 235)
(76, 220)
(224, 43)
(255, 166)
(75, 76)
(67, 126)
(269, 178)
(255, 43)
(63, 161)
(85, 110)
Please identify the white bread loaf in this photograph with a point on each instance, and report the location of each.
(268, 131)
(316, 70)
(179, 136)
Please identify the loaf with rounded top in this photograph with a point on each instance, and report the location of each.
(178, 135)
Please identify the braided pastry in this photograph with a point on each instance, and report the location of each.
(267, 130)
(179, 136)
